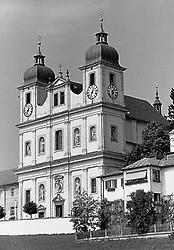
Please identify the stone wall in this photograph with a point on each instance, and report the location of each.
(36, 226)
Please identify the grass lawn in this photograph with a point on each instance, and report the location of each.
(66, 242)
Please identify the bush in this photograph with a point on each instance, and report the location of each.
(30, 208)
(2, 212)
(141, 211)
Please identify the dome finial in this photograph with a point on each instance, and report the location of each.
(39, 45)
(60, 71)
(157, 96)
(67, 75)
(39, 58)
(101, 35)
(101, 21)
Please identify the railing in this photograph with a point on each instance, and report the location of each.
(119, 231)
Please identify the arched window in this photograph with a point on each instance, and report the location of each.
(41, 192)
(92, 79)
(76, 137)
(59, 140)
(77, 186)
(41, 145)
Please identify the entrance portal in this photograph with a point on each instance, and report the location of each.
(59, 211)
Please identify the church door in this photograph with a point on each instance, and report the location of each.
(59, 211)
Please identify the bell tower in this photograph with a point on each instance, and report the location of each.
(157, 104)
(103, 85)
(102, 73)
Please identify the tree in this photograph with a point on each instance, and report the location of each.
(141, 211)
(118, 215)
(84, 212)
(104, 214)
(2, 212)
(155, 143)
(171, 106)
(166, 210)
(30, 208)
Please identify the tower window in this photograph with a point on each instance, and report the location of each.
(28, 98)
(56, 99)
(27, 195)
(62, 97)
(111, 78)
(92, 79)
(58, 140)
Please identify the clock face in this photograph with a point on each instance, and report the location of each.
(92, 92)
(112, 92)
(28, 109)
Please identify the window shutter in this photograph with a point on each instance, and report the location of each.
(106, 184)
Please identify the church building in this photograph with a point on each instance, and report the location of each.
(70, 133)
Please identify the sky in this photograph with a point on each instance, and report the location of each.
(140, 30)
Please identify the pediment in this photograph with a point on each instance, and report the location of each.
(41, 208)
(58, 198)
(59, 82)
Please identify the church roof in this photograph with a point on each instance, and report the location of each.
(8, 177)
(142, 110)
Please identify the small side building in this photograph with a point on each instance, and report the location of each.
(9, 193)
(149, 174)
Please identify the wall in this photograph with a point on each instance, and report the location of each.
(36, 226)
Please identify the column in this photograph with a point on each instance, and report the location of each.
(20, 201)
(48, 194)
(84, 135)
(49, 151)
(101, 131)
(20, 150)
(67, 139)
(33, 147)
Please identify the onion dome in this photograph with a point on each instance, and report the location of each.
(39, 72)
(102, 51)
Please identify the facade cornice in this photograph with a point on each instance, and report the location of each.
(22, 87)
(102, 62)
(69, 160)
(71, 112)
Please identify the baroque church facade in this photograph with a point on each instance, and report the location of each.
(71, 133)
